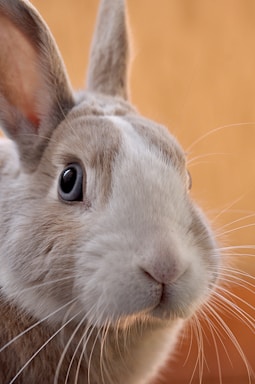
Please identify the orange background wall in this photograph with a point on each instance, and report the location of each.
(193, 70)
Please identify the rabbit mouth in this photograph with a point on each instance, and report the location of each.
(166, 308)
(172, 306)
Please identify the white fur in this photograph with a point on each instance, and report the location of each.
(135, 256)
(144, 226)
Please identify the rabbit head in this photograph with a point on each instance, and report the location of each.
(96, 215)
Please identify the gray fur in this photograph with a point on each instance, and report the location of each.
(115, 276)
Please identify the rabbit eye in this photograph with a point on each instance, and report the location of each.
(70, 186)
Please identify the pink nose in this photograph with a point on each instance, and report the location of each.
(165, 268)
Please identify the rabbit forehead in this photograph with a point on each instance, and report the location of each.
(151, 137)
(143, 170)
(91, 140)
(108, 143)
(104, 133)
(100, 137)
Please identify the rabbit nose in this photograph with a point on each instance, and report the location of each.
(164, 269)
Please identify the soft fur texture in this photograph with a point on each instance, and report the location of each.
(92, 291)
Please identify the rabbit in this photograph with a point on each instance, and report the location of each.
(104, 255)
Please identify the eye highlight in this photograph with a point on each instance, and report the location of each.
(70, 183)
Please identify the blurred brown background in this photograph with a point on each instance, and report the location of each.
(193, 70)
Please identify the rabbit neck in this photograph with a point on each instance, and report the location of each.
(111, 355)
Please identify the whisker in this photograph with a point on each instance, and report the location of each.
(216, 130)
(122, 333)
(234, 311)
(237, 297)
(103, 336)
(233, 247)
(230, 205)
(78, 345)
(35, 325)
(236, 221)
(39, 285)
(213, 331)
(40, 349)
(190, 340)
(229, 277)
(236, 254)
(200, 350)
(66, 349)
(232, 337)
(103, 367)
(91, 353)
(82, 355)
(205, 155)
(238, 228)
(74, 354)
(196, 334)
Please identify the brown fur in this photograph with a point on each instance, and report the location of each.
(129, 233)
(13, 322)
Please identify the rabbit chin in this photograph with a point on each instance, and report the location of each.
(121, 314)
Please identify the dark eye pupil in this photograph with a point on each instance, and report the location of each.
(68, 180)
(70, 186)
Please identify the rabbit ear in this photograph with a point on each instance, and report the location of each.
(35, 93)
(109, 54)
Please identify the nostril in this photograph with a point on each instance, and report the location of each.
(148, 275)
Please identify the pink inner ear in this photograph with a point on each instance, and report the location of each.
(34, 120)
(21, 76)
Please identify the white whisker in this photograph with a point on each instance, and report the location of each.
(214, 331)
(227, 208)
(91, 352)
(251, 215)
(103, 359)
(190, 162)
(196, 333)
(78, 345)
(35, 325)
(238, 228)
(232, 337)
(39, 349)
(234, 310)
(216, 130)
(237, 297)
(57, 372)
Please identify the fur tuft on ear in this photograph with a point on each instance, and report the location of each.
(108, 65)
(35, 93)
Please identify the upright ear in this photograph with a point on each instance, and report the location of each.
(35, 93)
(109, 54)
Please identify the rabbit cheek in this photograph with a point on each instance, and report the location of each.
(142, 264)
(145, 258)
(43, 269)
